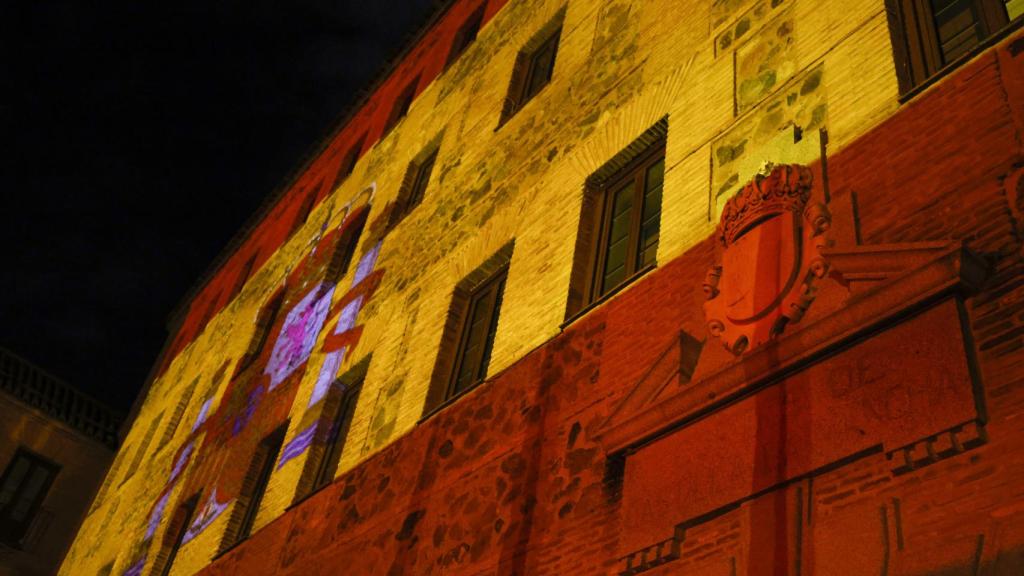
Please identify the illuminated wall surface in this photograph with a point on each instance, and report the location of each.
(815, 366)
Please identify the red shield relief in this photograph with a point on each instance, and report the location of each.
(770, 259)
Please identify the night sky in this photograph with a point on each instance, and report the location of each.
(139, 137)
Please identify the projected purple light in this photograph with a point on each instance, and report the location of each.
(250, 408)
(210, 511)
(156, 515)
(203, 413)
(298, 445)
(299, 333)
(179, 464)
(332, 362)
(136, 569)
(346, 321)
(366, 264)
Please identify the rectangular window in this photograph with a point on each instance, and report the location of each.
(481, 323)
(466, 35)
(469, 332)
(348, 163)
(179, 411)
(211, 309)
(419, 184)
(140, 452)
(414, 185)
(620, 220)
(345, 249)
(328, 464)
(23, 487)
(257, 477)
(533, 67)
(243, 276)
(928, 35)
(174, 536)
(401, 105)
(302, 216)
(631, 216)
(264, 324)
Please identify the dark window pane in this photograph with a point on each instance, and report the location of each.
(24, 485)
(15, 476)
(179, 527)
(422, 179)
(957, 27)
(466, 34)
(348, 163)
(336, 437)
(651, 220)
(475, 339)
(543, 64)
(478, 334)
(617, 247)
(929, 34)
(491, 331)
(261, 467)
(345, 250)
(31, 490)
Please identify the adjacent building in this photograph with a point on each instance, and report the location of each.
(55, 446)
(706, 287)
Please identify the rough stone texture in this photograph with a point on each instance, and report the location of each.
(765, 61)
(511, 478)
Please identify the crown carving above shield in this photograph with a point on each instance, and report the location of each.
(785, 188)
(771, 236)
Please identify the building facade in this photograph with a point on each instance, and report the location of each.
(57, 444)
(706, 287)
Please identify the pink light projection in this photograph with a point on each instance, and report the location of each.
(299, 333)
(203, 413)
(334, 360)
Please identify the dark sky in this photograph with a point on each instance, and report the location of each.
(139, 137)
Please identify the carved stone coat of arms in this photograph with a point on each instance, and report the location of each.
(771, 236)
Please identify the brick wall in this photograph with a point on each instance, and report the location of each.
(512, 478)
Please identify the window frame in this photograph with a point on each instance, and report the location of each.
(179, 412)
(341, 422)
(328, 445)
(142, 449)
(348, 162)
(917, 49)
(401, 105)
(519, 91)
(345, 250)
(631, 163)
(494, 283)
(243, 276)
(442, 389)
(180, 522)
(635, 171)
(266, 318)
(414, 184)
(306, 208)
(11, 530)
(466, 34)
(250, 498)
